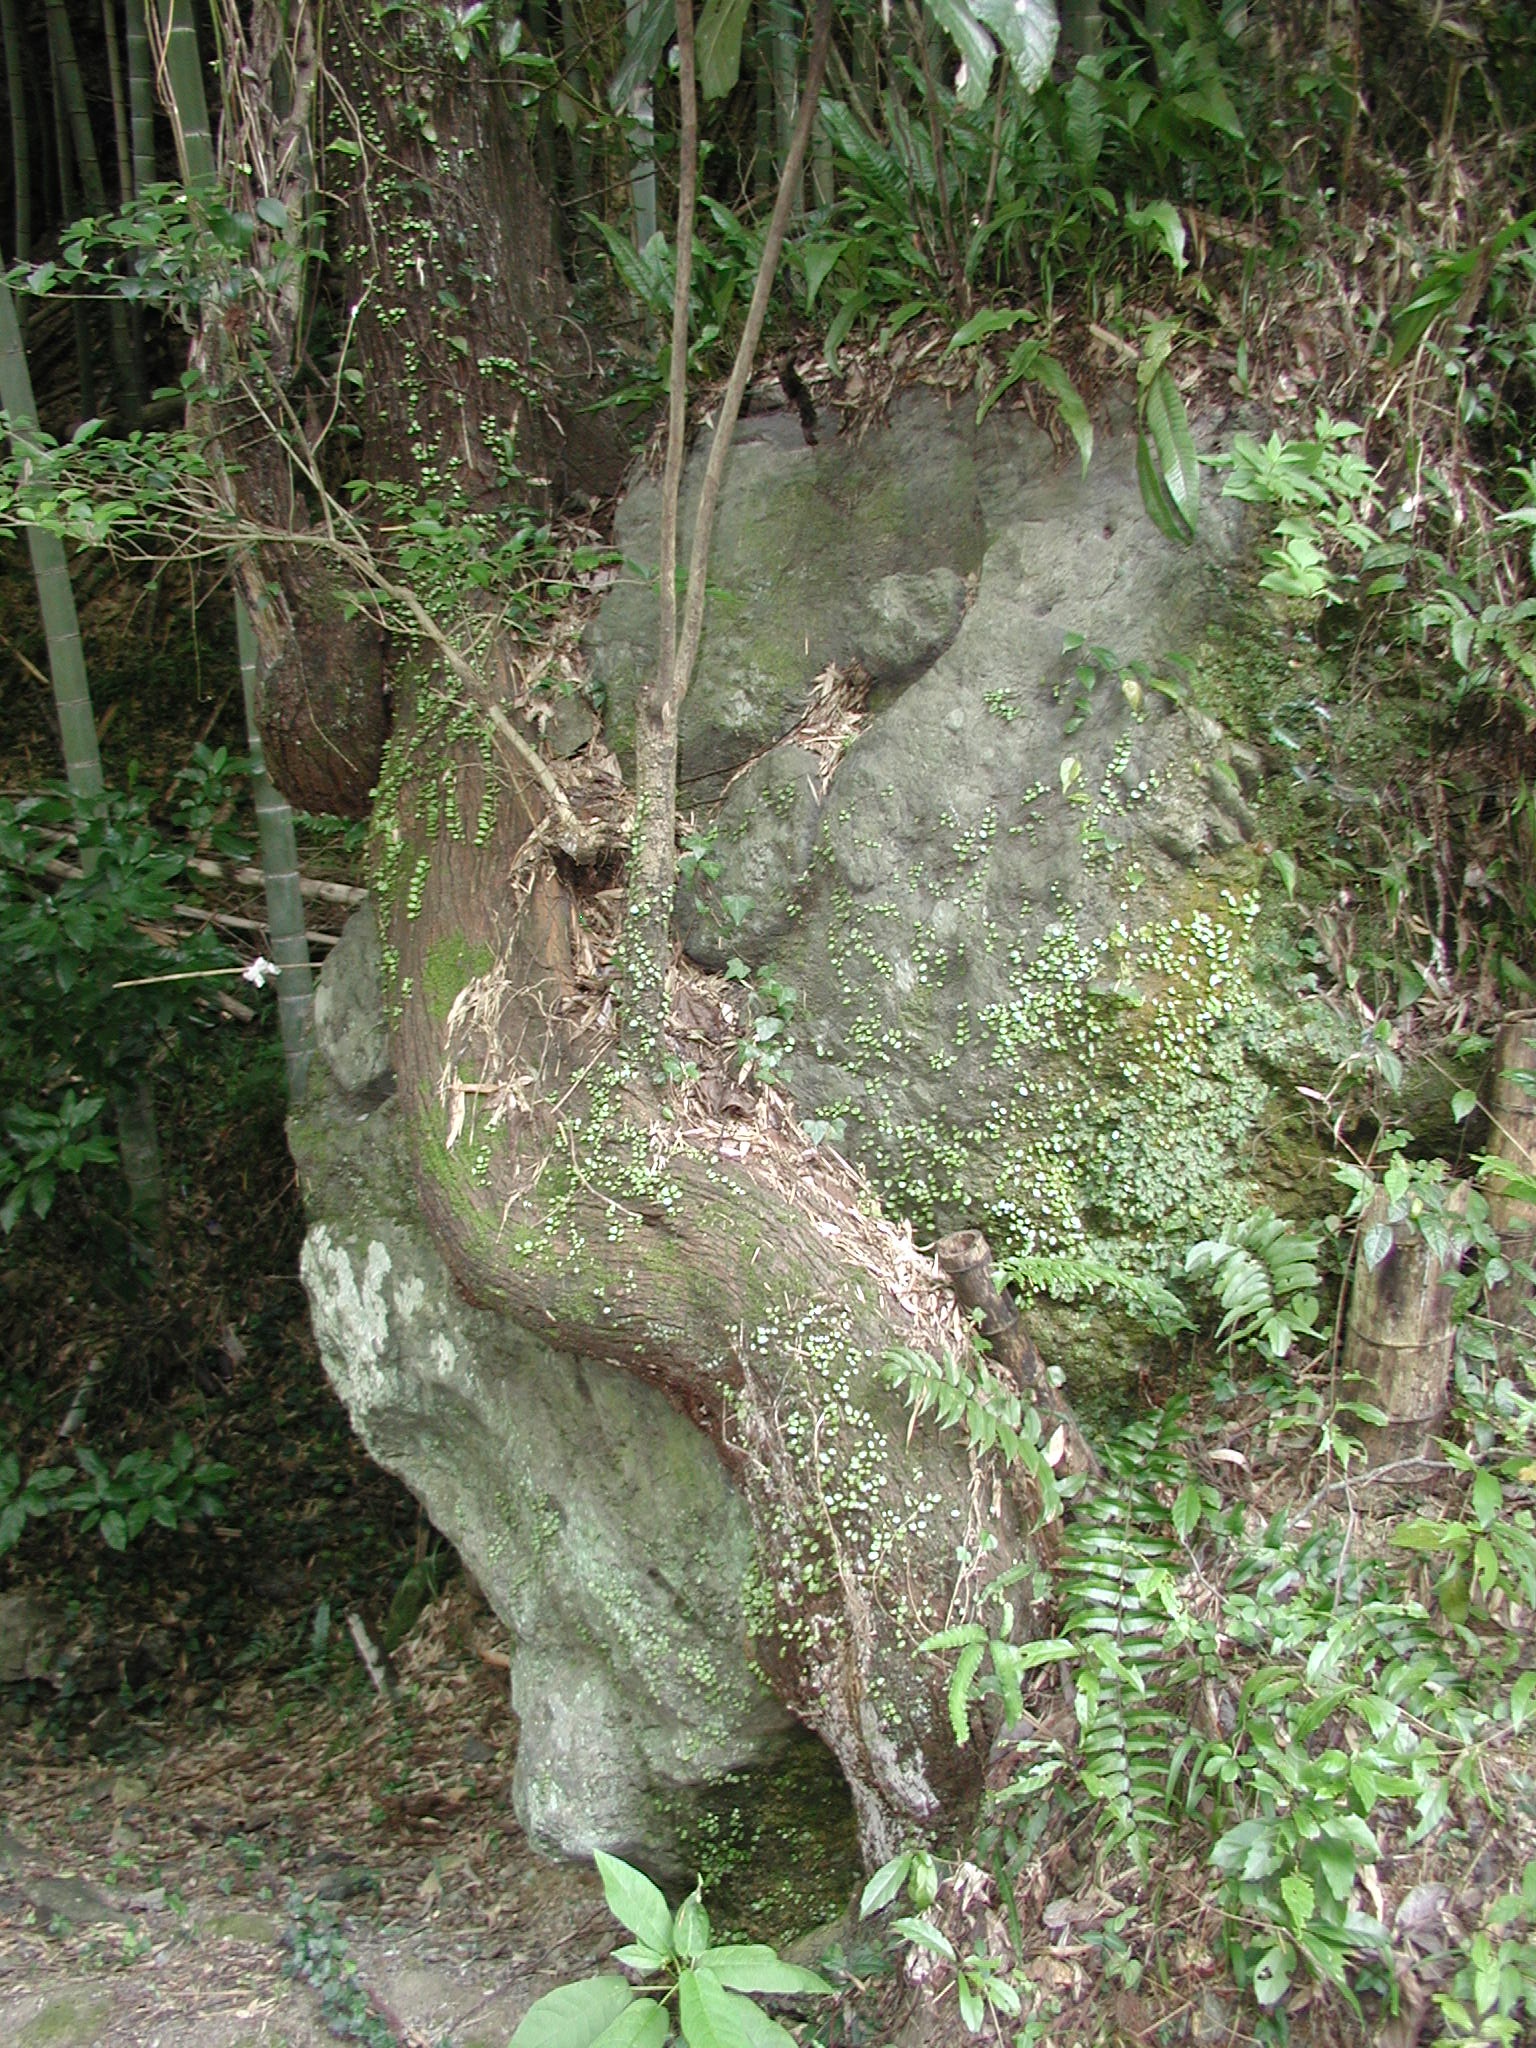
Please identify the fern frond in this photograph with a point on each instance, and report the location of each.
(1117, 1544)
(1069, 1276)
(1263, 1274)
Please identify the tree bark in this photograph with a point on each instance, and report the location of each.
(733, 1265)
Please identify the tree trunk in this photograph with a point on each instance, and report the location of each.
(729, 1263)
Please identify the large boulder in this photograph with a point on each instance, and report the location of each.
(850, 552)
(600, 1524)
(1025, 908)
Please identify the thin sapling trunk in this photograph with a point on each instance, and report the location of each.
(653, 864)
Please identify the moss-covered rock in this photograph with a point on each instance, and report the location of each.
(1028, 917)
(599, 1522)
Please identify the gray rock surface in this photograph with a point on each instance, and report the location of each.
(599, 1523)
(853, 551)
(1025, 911)
(350, 1032)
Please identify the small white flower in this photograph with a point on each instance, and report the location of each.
(259, 971)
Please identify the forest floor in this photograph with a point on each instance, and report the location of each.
(293, 1866)
(212, 1828)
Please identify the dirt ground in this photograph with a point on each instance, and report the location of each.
(293, 1869)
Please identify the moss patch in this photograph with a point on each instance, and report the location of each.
(451, 965)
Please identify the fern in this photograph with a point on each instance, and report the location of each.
(1067, 1276)
(993, 1416)
(1264, 1276)
(1118, 1551)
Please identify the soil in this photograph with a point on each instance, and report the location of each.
(311, 1859)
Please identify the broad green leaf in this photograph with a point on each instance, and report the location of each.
(575, 2016)
(990, 320)
(820, 259)
(1300, 1899)
(1273, 1975)
(648, 37)
(1027, 31)
(1284, 864)
(1463, 1102)
(1178, 464)
(635, 1902)
(1487, 1497)
(690, 1930)
(711, 2016)
(643, 2024)
(1045, 369)
(923, 1934)
(1208, 102)
(884, 1885)
(718, 43)
(760, 2030)
(753, 1966)
(1155, 496)
(976, 48)
(636, 1955)
(1375, 1244)
(272, 212)
(1166, 224)
(1186, 1510)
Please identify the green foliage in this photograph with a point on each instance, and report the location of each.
(1265, 1277)
(1117, 1563)
(983, 1992)
(993, 1416)
(689, 1986)
(322, 1958)
(90, 994)
(120, 1504)
(1078, 1276)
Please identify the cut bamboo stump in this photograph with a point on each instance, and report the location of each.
(965, 1259)
(1398, 1340)
(1512, 1112)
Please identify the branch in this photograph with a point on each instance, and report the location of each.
(741, 369)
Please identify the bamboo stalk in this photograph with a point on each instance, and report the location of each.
(21, 153)
(280, 869)
(66, 70)
(55, 595)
